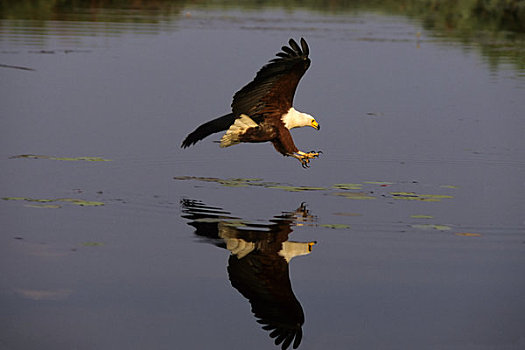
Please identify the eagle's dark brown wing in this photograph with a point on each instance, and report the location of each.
(264, 280)
(273, 88)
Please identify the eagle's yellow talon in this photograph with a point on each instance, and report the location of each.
(304, 157)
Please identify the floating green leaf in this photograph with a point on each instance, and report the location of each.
(336, 226)
(378, 183)
(28, 199)
(47, 206)
(81, 202)
(296, 188)
(13, 198)
(92, 244)
(467, 234)
(419, 197)
(421, 216)
(431, 227)
(87, 159)
(348, 186)
(233, 183)
(354, 195)
(248, 179)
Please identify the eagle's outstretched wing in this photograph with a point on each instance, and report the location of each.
(273, 87)
(264, 280)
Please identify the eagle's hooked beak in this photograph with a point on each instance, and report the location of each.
(315, 125)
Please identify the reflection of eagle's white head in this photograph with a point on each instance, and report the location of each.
(258, 264)
(293, 249)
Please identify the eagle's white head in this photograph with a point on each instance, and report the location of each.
(295, 119)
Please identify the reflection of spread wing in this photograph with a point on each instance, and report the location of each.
(264, 281)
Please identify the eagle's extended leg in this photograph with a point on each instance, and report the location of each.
(304, 157)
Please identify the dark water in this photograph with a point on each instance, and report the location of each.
(416, 204)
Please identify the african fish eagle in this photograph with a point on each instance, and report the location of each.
(262, 110)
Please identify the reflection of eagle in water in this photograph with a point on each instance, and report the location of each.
(258, 265)
(263, 110)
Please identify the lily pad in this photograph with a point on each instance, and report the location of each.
(336, 226)
(27, 199)
(348, 186)
(87, 159)
(229, 183)
(348, 214)
(47, 206)
(354, 195)
(432, 227)
(382, 183)
(81, 202)
(296, 188)
(422, 216)
(467, 234)
(420, 197)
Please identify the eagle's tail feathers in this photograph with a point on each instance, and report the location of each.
(206, 129)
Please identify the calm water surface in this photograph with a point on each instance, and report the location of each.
(416, 205)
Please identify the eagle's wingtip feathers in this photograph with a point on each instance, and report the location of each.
(294, 46)
(294, 50)
(304, 45)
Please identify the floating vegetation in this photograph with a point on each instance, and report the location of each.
(245, 182)
(467, 234)
(431, 227)
(48, 206)
(336, 226)
(348, 186)
(421, 216)
(296, 188)
(354, 195)
(448, 186)
(357, 191)
(75, 201)
(37, 156)
(347, 214)
(92, 244)
(81, 202)
(235, 182)
(420, 197)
